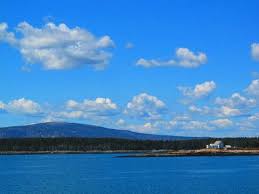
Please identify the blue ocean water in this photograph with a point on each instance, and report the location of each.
(104, 173)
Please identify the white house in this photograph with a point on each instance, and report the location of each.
(216, 145)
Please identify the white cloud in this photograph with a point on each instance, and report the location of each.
(181, 123)
(236, 100)
(145, 106)
(253, 88)
(187, 58)
(71, 115)
(94, 110)
(221, 123)
(222, 111)
(58, 47)
(6, 36)
(2, 105)
(145, 128)
(148, 128)
(204, 89)
(249, 123)
(97, 107)
(184, 58)
(255, 51)
(201, 110)
(182, 118)
(22, 106)
(154, 63)
(72, 104)
(226, 111)
(199, 91)
(235, 105)
(50, 118)
(188, 124)
(254, 117)
(197, 125)
(120, 122)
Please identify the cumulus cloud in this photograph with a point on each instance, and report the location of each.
(21, 106)
(226, 111)
(146, 127)
(149, 127)
(235, 105)
(189, 124)
(50, 118)
(70, 115)
(184, 58)
(236, 100)
(222, 111)
(221, 123)
(145, 106)
(253, 88)
(255, 51)
(204, 110)
(187, 58)
(6, 36)
(199, 91)
(58, 47)
(98, 107)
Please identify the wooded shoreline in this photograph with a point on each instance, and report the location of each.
(13, 146)
(72, 152)
(148, 153)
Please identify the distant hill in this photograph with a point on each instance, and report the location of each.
(62, 129)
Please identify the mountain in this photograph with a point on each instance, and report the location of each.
(61, 129)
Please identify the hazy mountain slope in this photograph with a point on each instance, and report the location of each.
(59, 129)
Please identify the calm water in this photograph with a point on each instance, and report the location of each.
(102, 173)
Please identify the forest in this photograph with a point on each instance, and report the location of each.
(111, 144)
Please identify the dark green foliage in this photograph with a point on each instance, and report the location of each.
(105, 144)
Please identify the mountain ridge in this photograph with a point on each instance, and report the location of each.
(64, 129)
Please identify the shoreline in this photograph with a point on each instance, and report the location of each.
(71, 152)
(196, 153)
(148, 153)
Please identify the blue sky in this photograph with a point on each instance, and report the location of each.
(166, 67)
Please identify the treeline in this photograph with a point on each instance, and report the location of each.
(105, 144)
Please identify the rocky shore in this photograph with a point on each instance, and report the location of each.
(201, 152)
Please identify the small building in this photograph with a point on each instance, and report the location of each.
(228, 146)
(216, 145)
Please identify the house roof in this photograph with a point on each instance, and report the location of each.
(218, 142)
